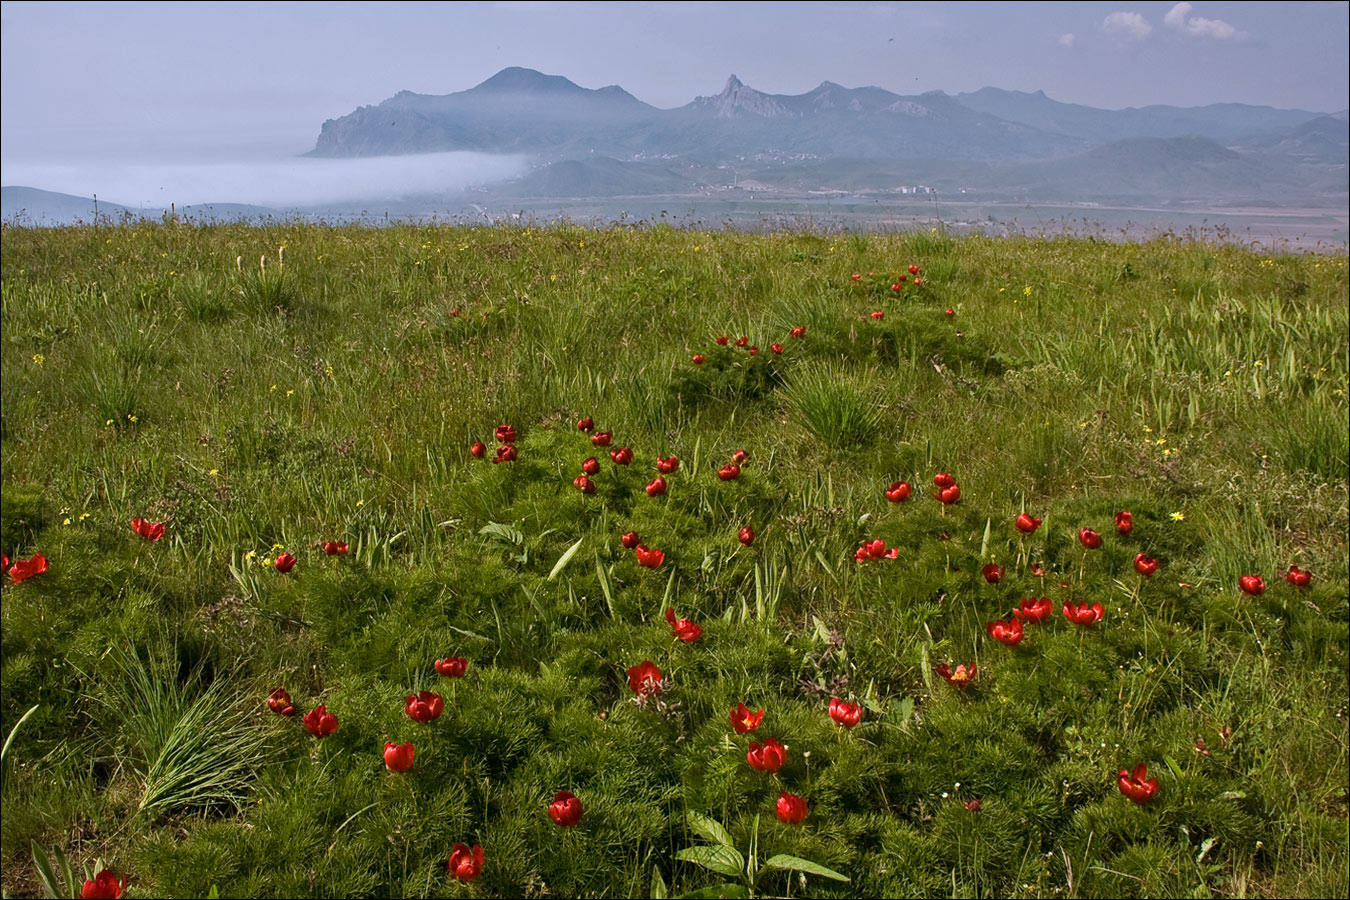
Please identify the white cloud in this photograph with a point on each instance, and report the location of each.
(1066, 40)
(1127, 25)
(1180, 18)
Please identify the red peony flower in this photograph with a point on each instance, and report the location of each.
(1297, 577)
(729, 472)
(565, 810)
(465, 864)
(623, 456)
(740, 457)
(746, 535)
(398, 757)
(590, 465)
(1137, 785)
(722, 341)
(1089, 538)
(743, 720)
(151, 531)
(645, 678)
(1027, 524)
(1006, 631)
(451, 667)
(505, 434)
(105, 886)
(797, 332)
(1082, 614)
(656, 487)
(698, 359)
(767, 757)
(320, 722)
(1033, 611)
(1145, 565)
(279, 702)
(1254, 585)
(845, 713)
(913, 270)
(899, 491)
(586, 424)
(584, 484)
(791, 809)
(602, 438)
(506, 453)
(684, 629)
(879, 314)
(958, 677)
(993, 572)
(629, 539)
(649, 558)
(284, 562)
(479, 449)
(1124, 522)
(949, 495)
(335, 548)
(776, 348)
(23, 569)
(424, 707)
(667, 465)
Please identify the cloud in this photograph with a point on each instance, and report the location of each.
(1180, 18)
(1129, 25)
(1066, 40)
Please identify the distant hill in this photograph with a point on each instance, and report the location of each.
(28, 205)
(1325, 139)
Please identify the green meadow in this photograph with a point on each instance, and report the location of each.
(263, 390)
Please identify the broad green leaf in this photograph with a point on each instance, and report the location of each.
(797, 864)
(720, 859)
(659, 889)
(708, 829)
(1172, 764)
(565, 558)
(726, 890)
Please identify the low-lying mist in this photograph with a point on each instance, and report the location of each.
(293, 183)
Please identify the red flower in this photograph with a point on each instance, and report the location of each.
(1145, 565)
(797, 332)
(1089, 538)
(590, 465)
(24, 569)
(645, 678)
(623, 456)
(845, 713)
(913, 270)
(4, 562)
(649, 558)
(667, 465)
(656, 487)
(565, 810)
(151, 531)
(699, 359)
(602, 438)
(335, 548)
(284, 562)
(993, 572)
(105, 886)
(1082, 614)
(791, 808)
(880, 314)
(899, 491)
(684, 629)
(754, 351)
(1034, 611)
(1297, 577)
(279, 702)
(918, 281)
(743, 720)
(505, 434)
(451, 667)
(740, 457)
(1137, 785)
(949, 311)
(320, 722)
(479, 449)
(722, 341)
(586, 424)
(1124, 522)
(729, 472)
(742, 341)
(857, 276)
(1027, 524)
(466, 865)
(949, 495)
(972, 805)
(424, 707)
(776, 348)
(746, 535)
(1250, 584)
(768, 757)
(959, 677)
(898, 286)
(629, 539)
(1037, 570)
(398, 757)
(1006, 631)
(874, 549)
(506, 453)
(584, 484)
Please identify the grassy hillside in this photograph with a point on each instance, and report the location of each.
(261, 402)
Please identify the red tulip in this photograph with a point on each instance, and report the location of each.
(1137, 785)
(590, 465)
(656, 487)
(776, 348)
(729, 472)
(398, 757)
(424, 707)
(1145, 565)
(645, 678)
(797, 332)
(667, 465)
(899, 491)
(105, 886)
(1250, 584)
(629, 539)
(1124, 522)
(320, 722)
(505, 434)
(743, 720)
(284, 562)
(880, 314)
(958, 677)
(722, 341)
(586, 424)
(279, 702)
(565, 810)
(1089, 538)
(24, 569)
(943, 480)
(623, 456)
(1082, 614)
(914, 270)
(465, 864)
(740, 457)
(993, 572)
(1006, 631)
(746, 535)
(1027, 524)
(479, 449)
(151, 531)
(684, 629)
(1034, 612)
(845, 713)
(791, 808)
(1297, 577)
(584, 484)
(949, 495)
(649, 558)
(451, 667)
(742, 341)
(506, 453)
(602, 438)
(699, 359)
(768, 757)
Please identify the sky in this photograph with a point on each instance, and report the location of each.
(174, 81)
